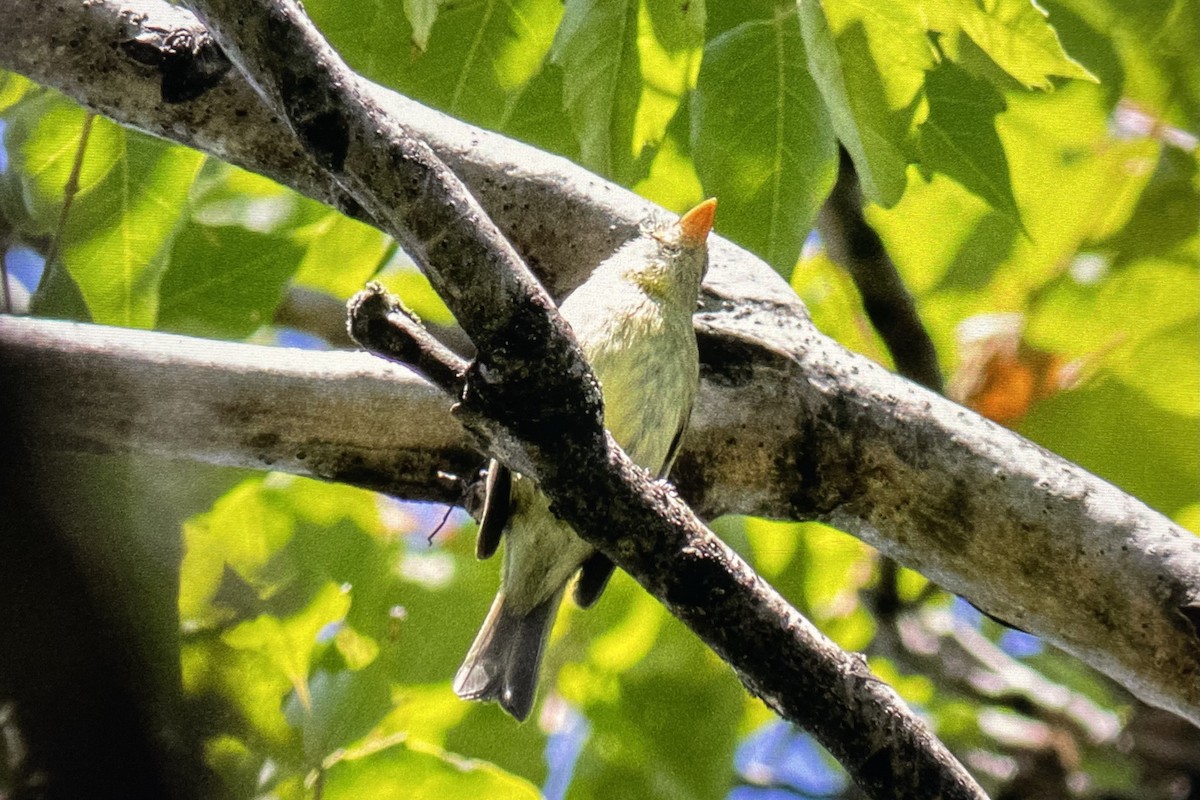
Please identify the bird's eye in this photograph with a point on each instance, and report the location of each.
(672, 249)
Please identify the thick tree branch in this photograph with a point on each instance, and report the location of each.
(89, 388)
(970, 504)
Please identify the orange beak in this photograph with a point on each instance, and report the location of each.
(698, 222)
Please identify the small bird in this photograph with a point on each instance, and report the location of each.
(633, 319)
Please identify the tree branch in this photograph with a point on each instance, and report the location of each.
(972, 505)
(855, 245)
(342, 417)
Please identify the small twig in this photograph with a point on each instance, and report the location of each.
(69, 191)
(440, 525)
(384, 327)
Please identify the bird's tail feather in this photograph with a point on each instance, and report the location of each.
(504, 661)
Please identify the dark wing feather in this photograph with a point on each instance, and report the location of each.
(673, 450)
(593, 577)
(496, 502)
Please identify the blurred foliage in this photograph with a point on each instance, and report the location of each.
(1033, 174)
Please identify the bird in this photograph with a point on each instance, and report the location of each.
(632, 318)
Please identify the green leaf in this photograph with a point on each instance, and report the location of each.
(869, 64)
(597, 48)
(43, 137)
(132, 194)
(1166, 367)
(225, 195)
(481, 55)
(672, 181)
(341, 254)
(424, 713)
(646, 684)
(288, 646)
(117, 258)
(723, 17)
(345, 705)
(117, 236)
(1108, 428)
(761, 138)
(535, 115)
(475, 61)
(1015, 34)
(836, 307)
(670, 41)
(376, 40)
(959, 137)
(246, 528)
(414, 771)
(12, 88)
(773, 544)
(225, 282)
(1163, 222)
(1142, 323)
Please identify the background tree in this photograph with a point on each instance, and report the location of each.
(1001, 175)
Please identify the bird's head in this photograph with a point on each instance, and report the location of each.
(679, 257)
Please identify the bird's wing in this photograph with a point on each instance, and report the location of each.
(673, 450)
(496, 505)
(593, 577)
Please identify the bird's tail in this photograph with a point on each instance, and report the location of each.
(504, 661)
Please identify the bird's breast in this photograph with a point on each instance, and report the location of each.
(648, 369)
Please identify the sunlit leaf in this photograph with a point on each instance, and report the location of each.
(869, 64)
(480, 55)
(423, 713)
(287, 646)
(836, 307)
(644, 715)
(422, 772)
(12, 88)
(42, 138)
(224, 282)
(475, 57)
(669, 41)
(1142, 448)
(1015, 34)
(773, 544)
(959, 137)
(340, 256)
(597, 48)
(1166, 367)
(672, 181)
(761, 138)
(117, 237)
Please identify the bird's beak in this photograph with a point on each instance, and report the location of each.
(698, 222)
